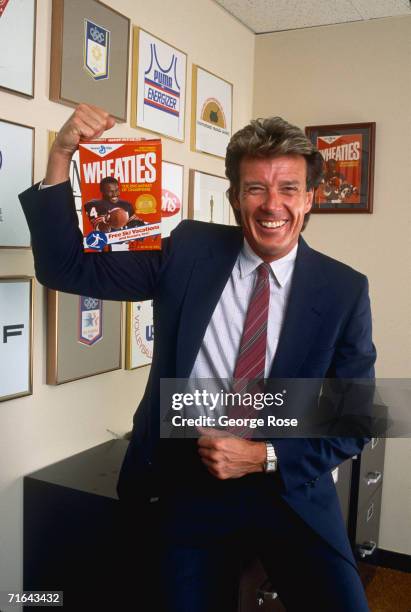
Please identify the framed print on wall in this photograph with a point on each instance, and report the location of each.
(139, 334)
(16, 346)
(16, 175)
(89, 55)
(83, 337)
(212, 111)
(17, 46)
(348, 152)
(172, 176)
(207, 198)
(158, 86)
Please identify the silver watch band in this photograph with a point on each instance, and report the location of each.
(270, 464)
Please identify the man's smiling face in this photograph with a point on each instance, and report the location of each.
(273, 200)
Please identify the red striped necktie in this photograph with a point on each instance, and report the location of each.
(250, 367)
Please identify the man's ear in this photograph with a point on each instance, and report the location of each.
(309, 200)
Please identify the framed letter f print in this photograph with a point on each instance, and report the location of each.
(16, 324)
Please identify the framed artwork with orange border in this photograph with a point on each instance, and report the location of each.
(348, 152)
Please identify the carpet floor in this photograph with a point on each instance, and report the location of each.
(387, 590)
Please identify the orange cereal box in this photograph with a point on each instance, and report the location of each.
(121, 194)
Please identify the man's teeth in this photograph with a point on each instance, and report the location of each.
(273, 224)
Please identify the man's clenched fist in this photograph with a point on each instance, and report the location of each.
(87, 122)
(227, 456)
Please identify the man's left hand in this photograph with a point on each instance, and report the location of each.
(227, 456)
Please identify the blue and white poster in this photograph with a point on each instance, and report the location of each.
(96, 50)
(140, 334)
(90, 320)
(159, 84)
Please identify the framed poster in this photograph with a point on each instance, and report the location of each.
(89, 55)
(17, 46)
(16, 175)
(16, 346)
(158, 86)
(348, 152)
(207, 199)
(83, 337)
(172, 176)
(139, 334)
(74, 179)
(212, 112)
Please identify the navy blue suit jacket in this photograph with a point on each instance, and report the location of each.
(326, 332)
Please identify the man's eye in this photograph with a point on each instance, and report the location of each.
(255, 189)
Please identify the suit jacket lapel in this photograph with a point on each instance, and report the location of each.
(306, 303)
(209, 276)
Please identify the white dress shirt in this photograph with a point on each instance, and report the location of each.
(218, 352)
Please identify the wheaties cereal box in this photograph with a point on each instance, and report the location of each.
(121, 194)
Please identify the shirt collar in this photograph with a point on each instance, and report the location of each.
(282, 268)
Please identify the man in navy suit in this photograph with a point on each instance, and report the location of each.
(222, 497)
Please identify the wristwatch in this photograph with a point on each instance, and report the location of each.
(270, 464)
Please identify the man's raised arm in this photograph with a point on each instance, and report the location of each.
(57, 243)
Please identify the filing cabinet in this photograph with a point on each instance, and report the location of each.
(342, 480)
(368, 523)
(366, 492)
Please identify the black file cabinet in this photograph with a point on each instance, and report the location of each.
(72, 528)
(366, 492)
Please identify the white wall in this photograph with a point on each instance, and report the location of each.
(355, 73)
(56, 422)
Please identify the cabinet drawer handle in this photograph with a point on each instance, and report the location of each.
(265, 593)
(367, 548)
(372, 478)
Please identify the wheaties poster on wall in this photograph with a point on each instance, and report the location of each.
(348, 153)
(171, 196)
(74, 179)
(16, 175)
(158, 86)
(207, 198)
(211, 116)
(139, 334)
(16, 325)
(17, 44)
(89, 55)
(83, 337)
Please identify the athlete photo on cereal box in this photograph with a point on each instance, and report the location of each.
(121, 194)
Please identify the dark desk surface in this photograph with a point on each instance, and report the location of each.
(94, 470)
